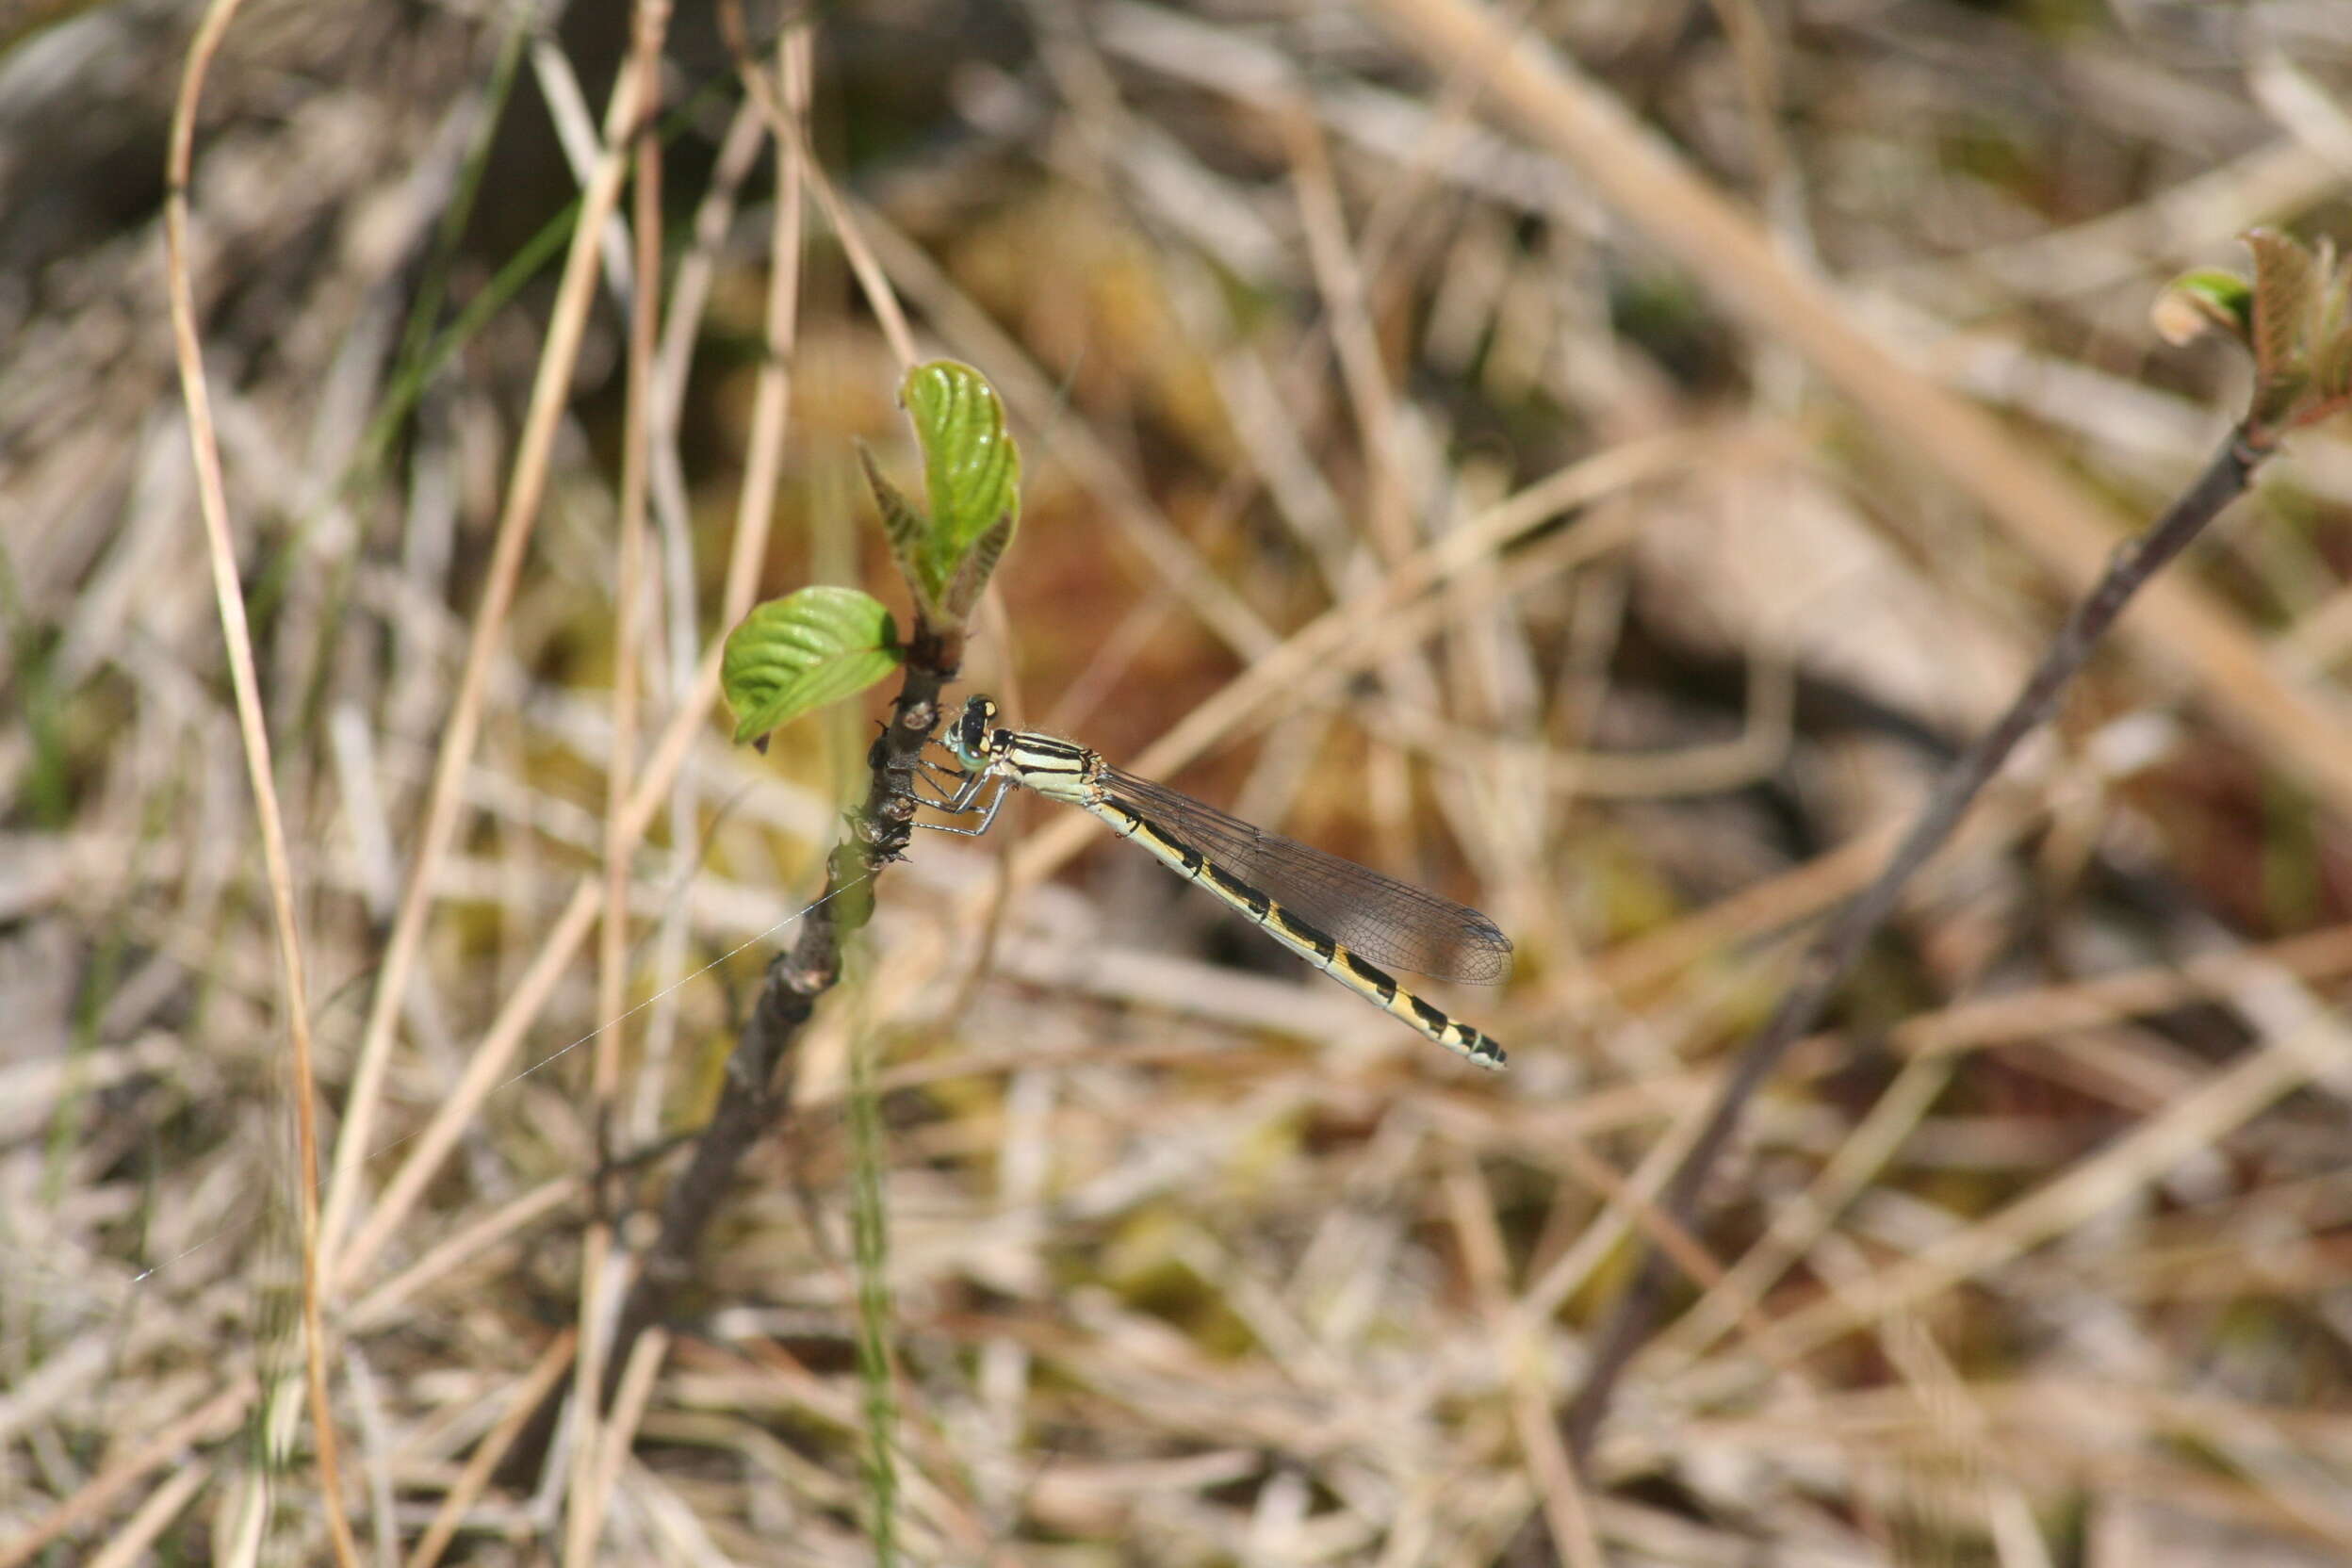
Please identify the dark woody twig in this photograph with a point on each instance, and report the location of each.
(751, 1102)
(1834, 954)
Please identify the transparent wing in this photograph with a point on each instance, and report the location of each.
(1390, 922)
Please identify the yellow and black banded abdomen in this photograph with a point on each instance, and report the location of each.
(1376, 986)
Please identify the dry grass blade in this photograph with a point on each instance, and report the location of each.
(1565, 1507)
(555, 1362)
(649, 25)
(228, 594)
(2043, 512)
(1607, 496)
(1832, 957)
(526, 489)
(2201, 1120)
(216, 1417)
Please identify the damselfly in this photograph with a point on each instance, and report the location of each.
(1333, 913)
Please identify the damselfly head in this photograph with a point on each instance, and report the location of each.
(968, 738)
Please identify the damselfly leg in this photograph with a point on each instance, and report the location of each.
(959, 801)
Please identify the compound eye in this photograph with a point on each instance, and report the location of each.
(974, 725)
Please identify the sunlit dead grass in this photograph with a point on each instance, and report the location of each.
(1390, 482)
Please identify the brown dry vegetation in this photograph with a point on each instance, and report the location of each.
(1406, 467)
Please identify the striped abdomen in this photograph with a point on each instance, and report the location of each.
(1375, 985)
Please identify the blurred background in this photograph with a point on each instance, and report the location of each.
(1607, 501)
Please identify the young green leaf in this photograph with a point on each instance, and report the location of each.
(971, 468)
(2295, 314)
(2331, 366)
(2286, 284)
(802, 651)
(900, 523)
(2330, 348)
(971, 573)
(2203, 301)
